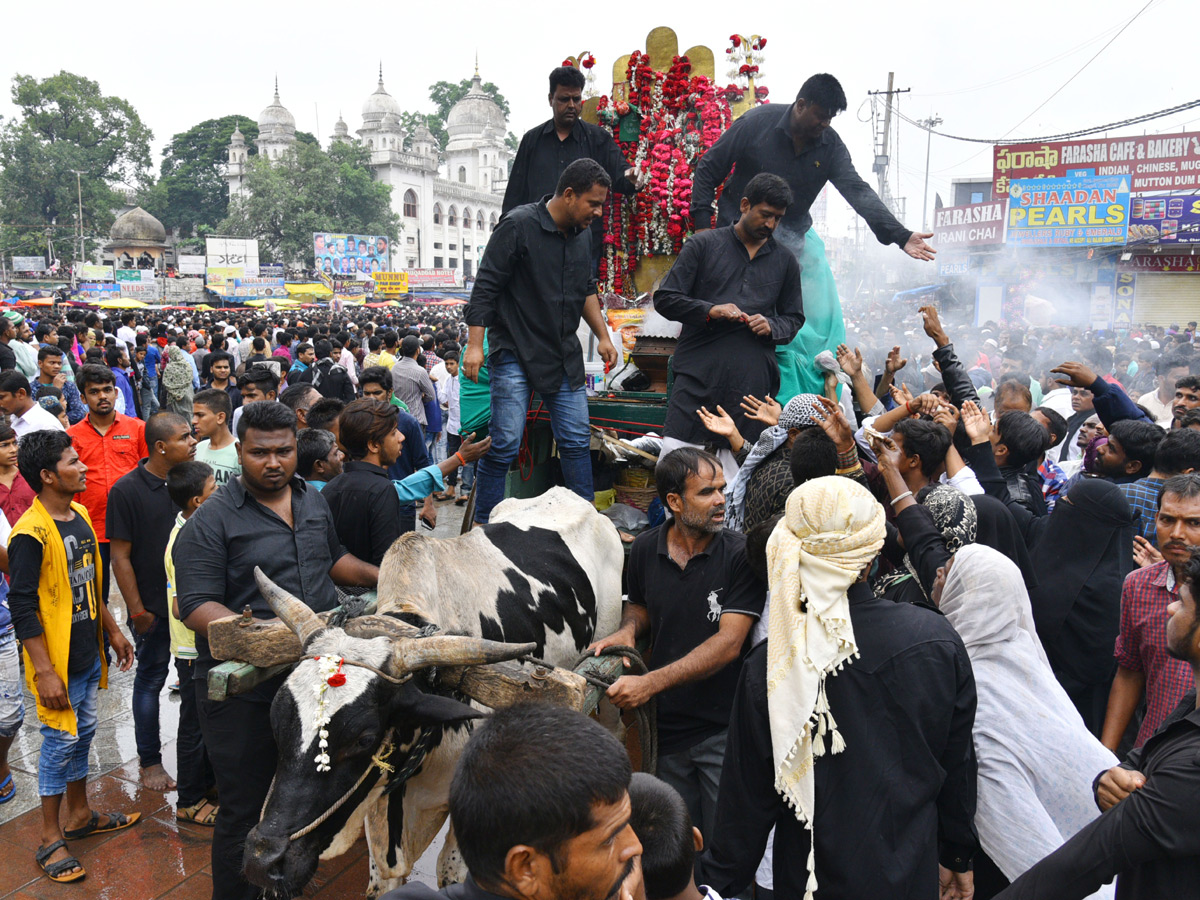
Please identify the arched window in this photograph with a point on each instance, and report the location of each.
(479, 221)
(462, 174)
(452, 217)
(410, 204)
(492, 222)
(437, 214)
(467, 218)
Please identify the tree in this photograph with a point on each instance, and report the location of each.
(310, 190)
(66, 125)
(191, 193)
(444, 95)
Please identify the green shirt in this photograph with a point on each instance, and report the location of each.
(224, 462)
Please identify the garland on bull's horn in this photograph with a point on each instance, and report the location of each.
(330, 669)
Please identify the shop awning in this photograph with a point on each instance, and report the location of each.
(308, 289)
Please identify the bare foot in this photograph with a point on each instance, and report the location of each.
(156, 778)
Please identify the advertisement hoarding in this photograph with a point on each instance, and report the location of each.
(29, 264)
(147, 291)
(98, 291)
(350, 255)
(1153, 163)
(390, 282)
(1167, 263)
(1076, 211)
(432, 278)
(976, 225)
(91, 273)
(1164, 220)
(128, 275)
(232, 253)
(190, 265)
(250, 288)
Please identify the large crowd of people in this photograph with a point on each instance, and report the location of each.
(931, 631)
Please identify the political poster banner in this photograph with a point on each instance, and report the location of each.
(1081, 210)
(1165, 220)
(350, 255)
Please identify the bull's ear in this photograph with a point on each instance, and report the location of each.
(415, 706)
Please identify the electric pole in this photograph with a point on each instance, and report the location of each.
(882, 147)
(928, 124)
(79, 255)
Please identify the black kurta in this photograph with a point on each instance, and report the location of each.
(717, 363)
(898, 799)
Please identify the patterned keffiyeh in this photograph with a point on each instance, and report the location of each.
(831, 532)
(797, 414)
(955, 517)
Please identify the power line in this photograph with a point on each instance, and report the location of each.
(1066, 135)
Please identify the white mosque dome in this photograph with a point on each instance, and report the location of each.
(380, 104)
(475, 113)
(275, 118)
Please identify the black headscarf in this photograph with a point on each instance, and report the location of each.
(998, 529)
(1082, 555)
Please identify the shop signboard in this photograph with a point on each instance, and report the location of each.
(1153, 163)
(976, 225)
(251, 288)
(350, 255)
(146, 291)
(349, 287)
(1165, 220)
(390, 282)
(270, 270)
(29, 264)
(951, 267)
(1126, 289)
(190, 265)
(1080, 210)
(96, 290)
(1167, 263)
(432, 278)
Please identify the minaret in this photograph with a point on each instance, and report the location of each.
(235, 168)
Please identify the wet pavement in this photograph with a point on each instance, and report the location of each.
(158, 857)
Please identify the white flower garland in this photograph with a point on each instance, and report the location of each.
(328, 667)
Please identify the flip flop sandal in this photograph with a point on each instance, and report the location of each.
(189, 814)
(7, 782)
(116, 821)
(461, 501)
(56, 871)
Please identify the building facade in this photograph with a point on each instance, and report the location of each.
(448, 202)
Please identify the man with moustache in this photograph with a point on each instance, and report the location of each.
(1187, 398)
(692, 593)
(533, 287)
(737, 292)
(1144, 666)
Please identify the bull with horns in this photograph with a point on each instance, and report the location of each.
(371, 722)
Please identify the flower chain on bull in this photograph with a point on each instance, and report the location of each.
(331, 675)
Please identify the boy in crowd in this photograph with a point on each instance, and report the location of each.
(659, 817)
(189, 484)
(211, 411)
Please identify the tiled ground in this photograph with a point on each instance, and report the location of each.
(158, 857)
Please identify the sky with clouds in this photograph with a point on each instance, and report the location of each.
(982, 67)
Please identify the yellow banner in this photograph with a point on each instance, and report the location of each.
(390, 282)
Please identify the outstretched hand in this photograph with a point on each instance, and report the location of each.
(933, 326)
(894, 361)
(719, 423)
(977, 423)
(851, 361)
(767, 410)
(1077, 375)
(833, 422)
(918, 249)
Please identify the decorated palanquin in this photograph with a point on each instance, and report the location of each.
(665, 110)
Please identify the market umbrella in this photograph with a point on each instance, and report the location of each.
(122, 303)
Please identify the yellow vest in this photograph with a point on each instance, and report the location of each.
(54, 607)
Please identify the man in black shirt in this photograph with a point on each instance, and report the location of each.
(8, 333)
(861, 710)
(55, 603)
(1149, 834)
(796, 143)
(737, 292)
(547, 150)
(692, 593)
(270, 519)
(138, 523)
(533, 286)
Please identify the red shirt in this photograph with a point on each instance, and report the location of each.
(108, 456)
(1142, 643)
(16, 499)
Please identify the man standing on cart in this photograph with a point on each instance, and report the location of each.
(534, 284)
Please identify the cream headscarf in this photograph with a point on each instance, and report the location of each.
(832, 530)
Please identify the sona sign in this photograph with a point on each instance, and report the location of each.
(969, 226)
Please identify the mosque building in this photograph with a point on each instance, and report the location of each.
(448, 201)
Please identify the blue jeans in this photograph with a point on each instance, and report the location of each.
(510, 404)
(64, 756)
(12, 686)
(149, 398)
(153, 661)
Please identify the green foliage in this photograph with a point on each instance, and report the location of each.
(310, 190)
(66, 124)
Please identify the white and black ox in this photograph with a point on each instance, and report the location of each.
(543, 578)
